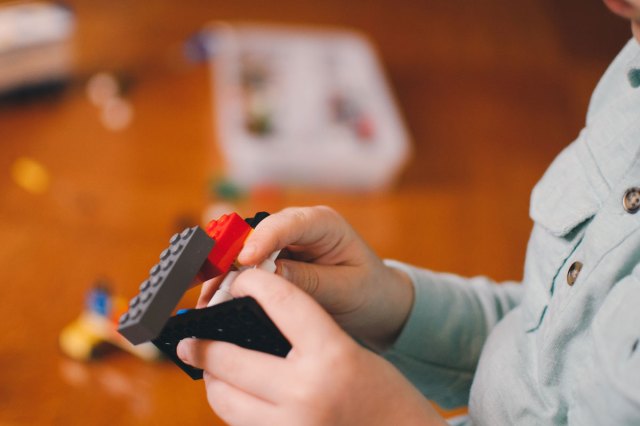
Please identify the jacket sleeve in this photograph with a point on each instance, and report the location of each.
(439, 346)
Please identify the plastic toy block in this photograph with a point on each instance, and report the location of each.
(240, 321)
(168, 281)
(94, 332)
(254, 221)
(229, 233)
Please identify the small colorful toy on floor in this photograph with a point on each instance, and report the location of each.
(95, 329)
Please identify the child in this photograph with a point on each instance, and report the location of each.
(562, 348)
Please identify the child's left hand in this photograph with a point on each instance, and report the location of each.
(327, 378)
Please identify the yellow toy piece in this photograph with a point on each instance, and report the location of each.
(96, 328)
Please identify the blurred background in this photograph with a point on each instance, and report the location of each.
(110, 143)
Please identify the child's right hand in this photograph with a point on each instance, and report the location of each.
(335, 266)
(326, 378)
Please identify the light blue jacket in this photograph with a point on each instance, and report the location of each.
(562, 347)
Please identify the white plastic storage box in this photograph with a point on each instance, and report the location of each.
(303, 108)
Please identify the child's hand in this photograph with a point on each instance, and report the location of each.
(334, 265)
(326, 379)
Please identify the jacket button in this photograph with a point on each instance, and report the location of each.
(631, 200)
(634, 77)
(574, 271)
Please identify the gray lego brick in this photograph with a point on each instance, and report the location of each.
(168, 281)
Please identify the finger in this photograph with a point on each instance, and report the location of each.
(236, 407)
(293, 311)
(251, 371)
(316, 229)
(207, 291)
(313, 279)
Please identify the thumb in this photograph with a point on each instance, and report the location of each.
(331, 286)
(303, 322)
(304, 275)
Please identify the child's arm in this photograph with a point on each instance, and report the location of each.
(326, 379)
(444, 319)
(330, 261)
(441, 342)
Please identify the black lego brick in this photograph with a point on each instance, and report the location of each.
(168, 281)
(240, 321)
(255, 220)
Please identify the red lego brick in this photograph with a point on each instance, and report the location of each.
(229, 233)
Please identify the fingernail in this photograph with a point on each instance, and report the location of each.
(248, 251)
(283, 271)
(183, 350)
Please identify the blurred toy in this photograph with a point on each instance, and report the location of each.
(106, 91)
(302, 107)
(36, 52)
(347, 112)
(195, 253)
(30, 175)
(96, 327)
(258, 108)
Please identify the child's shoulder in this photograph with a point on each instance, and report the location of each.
(615, 81)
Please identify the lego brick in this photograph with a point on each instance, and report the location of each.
(254, 221)
(229, 233)
(168, 281)
(240, 321)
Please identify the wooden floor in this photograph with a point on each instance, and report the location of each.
(491, 91)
